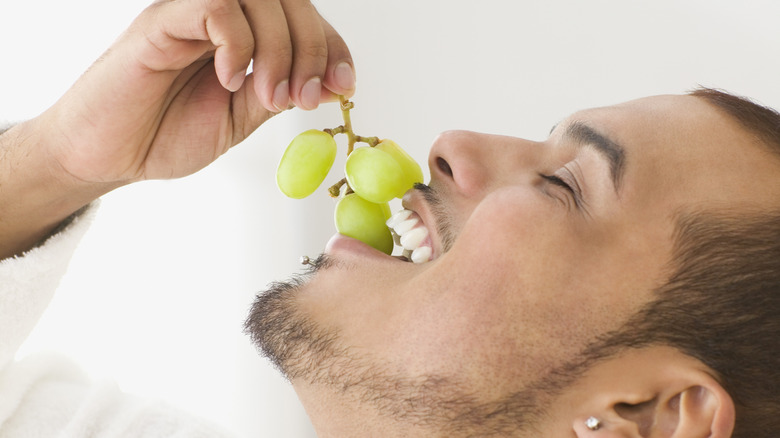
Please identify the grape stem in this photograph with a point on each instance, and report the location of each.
(372, 141)
(346, 105)
(346, 128)
(335, 189)
(336, 130)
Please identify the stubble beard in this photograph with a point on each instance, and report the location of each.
(283, 334)
(303, 350)
(440, 405)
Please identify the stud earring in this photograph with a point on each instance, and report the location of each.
(593, 423)
(305, 260)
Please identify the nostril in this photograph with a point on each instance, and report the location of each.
(444, 166)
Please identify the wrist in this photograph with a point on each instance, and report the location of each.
(36, 193)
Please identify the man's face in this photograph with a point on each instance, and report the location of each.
(529, 271)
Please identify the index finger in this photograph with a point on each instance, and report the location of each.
(340, 71)
(298, 56)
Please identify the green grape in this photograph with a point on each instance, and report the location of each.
(365, 221)
(306, 163)
(374, 174)
(412, 171)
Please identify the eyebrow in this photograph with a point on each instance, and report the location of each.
(583, 135)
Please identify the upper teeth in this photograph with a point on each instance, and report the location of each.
(410, 233)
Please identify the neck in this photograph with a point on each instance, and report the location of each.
(339, 415)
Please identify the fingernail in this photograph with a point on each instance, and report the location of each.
(236, 82)
(282, 95)
(310, 94)
(344, 76)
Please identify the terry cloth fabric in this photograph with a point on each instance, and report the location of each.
(47, 395)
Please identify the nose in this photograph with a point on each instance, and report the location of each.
(474, 162)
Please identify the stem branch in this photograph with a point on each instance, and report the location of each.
(372, 141)
(335, 189)
(345, 107)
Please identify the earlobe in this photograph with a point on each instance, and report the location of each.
(610, 426)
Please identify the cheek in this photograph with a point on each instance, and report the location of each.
(493, 302)
(526, 286)
(516, 237)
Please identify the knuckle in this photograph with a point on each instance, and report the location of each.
(246, 45)
(313, 50)
(219, 5)
(225, 9)
(280, 50)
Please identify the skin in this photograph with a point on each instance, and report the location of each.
(664, 393)
(530, 278)
(169, 97)
(487, 311)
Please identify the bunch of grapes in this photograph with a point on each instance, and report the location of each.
(374, 174)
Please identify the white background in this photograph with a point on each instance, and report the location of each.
(158, 290)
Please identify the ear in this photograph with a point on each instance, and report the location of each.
(703, 409)
(656, 391)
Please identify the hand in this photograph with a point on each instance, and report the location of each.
(170, 96)
(167, 99)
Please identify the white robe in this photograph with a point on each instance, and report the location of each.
(47, 395)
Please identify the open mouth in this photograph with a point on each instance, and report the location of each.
(412, 235)
(410, 232)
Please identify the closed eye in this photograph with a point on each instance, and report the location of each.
(560, 182)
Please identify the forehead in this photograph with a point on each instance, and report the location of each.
(683, 150)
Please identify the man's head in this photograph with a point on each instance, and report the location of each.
(548, 258)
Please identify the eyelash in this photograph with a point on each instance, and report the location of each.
(558, 181)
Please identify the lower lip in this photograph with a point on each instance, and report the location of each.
(341, 245)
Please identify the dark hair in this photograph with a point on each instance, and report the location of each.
(761, 121)
(721, 305)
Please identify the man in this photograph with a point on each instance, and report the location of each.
(605, 272)
(617, 279)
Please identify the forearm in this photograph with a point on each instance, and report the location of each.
(36, 194)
